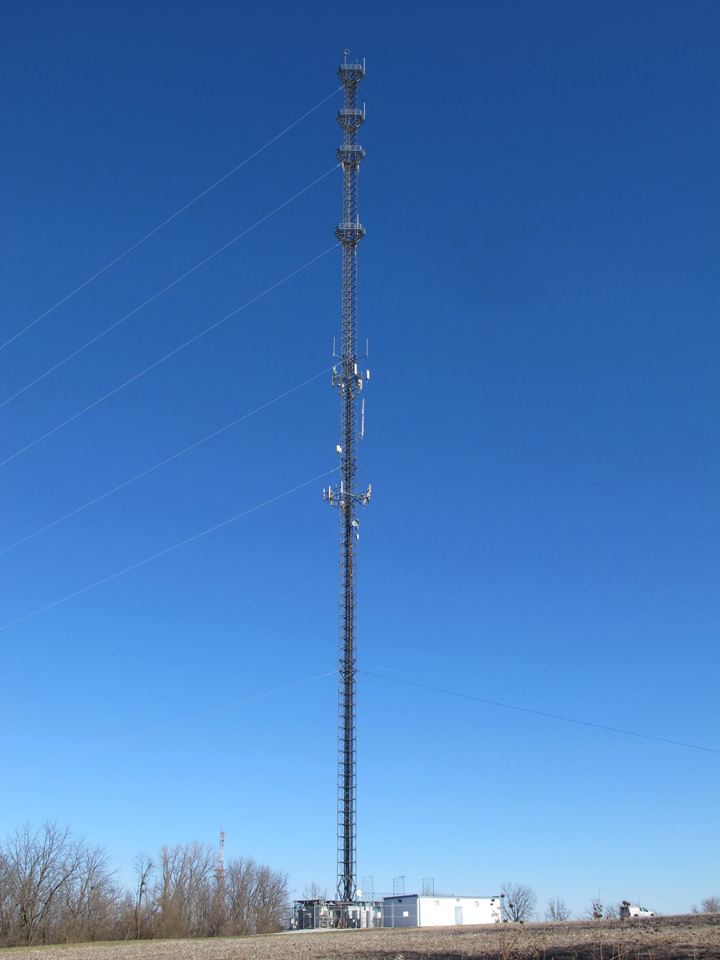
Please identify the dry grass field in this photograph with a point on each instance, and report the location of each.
(662, 938)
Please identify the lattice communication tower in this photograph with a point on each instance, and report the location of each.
(348, 378)
(220, 868)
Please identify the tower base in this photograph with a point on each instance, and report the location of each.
(322, 914)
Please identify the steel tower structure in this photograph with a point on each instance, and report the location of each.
(220, 868)
(348, 378)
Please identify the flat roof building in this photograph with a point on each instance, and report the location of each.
(411, 910)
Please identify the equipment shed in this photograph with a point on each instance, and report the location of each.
(412, 910)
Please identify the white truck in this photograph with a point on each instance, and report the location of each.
(629, 911)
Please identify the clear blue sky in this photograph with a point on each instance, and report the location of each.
(539, 286)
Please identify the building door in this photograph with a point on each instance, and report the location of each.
(458, 915)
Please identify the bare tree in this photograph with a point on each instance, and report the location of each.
(36, 866)
(612, 911)
(89, 898)
(710, 905)
(272, 900)
(240, 889)
(557, 909)
(55, 887)
(518, 902)
(256, 897)
(7, 906)
(313, 891)
(596, 909)
(186, 871)
(143, 912)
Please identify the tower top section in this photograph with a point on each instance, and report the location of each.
(351, 72)
(350, 231)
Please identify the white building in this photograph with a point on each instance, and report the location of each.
(413, 911)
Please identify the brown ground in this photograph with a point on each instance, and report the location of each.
(662, 938)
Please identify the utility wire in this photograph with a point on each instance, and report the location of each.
(635, 503)
(540, 713)
(169, 219)
(610, 273)
(196, 716)
(162, 463)
(589, 258)
(606, 488)
(162, 553)
(167, 356)
(225, 706)
(168, 287)
(571, 556)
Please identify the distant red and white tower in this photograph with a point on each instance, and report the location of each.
(220, 869)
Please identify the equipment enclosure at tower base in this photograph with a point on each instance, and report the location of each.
(407, 910)
(322, 914)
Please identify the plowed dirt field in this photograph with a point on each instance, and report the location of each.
(661, 938)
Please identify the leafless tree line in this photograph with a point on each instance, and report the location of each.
(55, 887)
(557, 909)
(708, 905)
(517, 902)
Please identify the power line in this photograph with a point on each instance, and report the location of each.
(225, 706)
(195, 716)
(635, 503)
(162, 553)
(168, 287)
(571, 556)
(541, 713)
(162, 463)
(169, 219)
(620, 284)
(167, 356)
(589, 258)
(607, 489)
